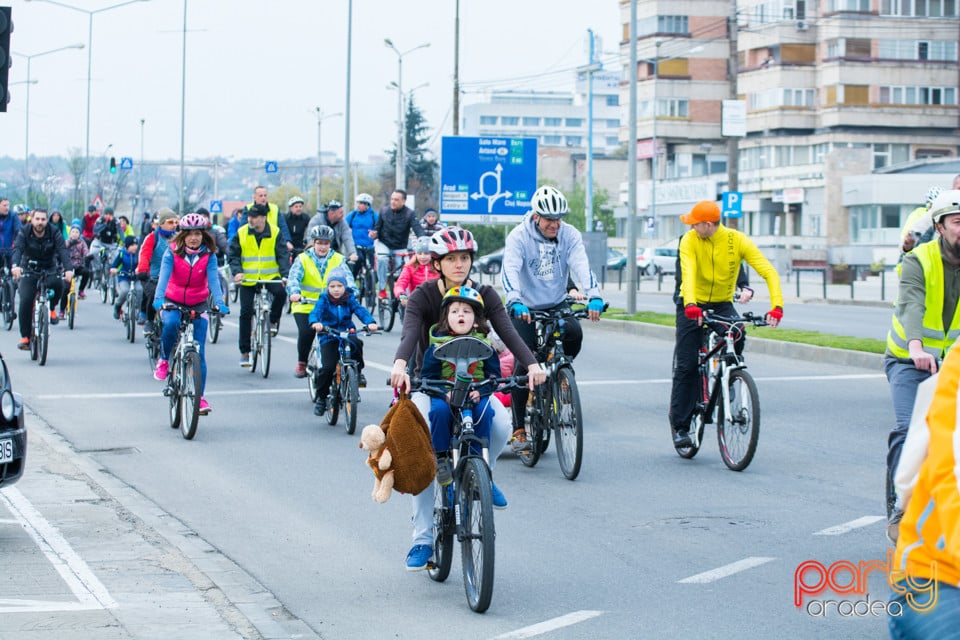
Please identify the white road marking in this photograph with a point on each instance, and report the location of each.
(89, 591)
(210, 392)
(725, 571)
(550, 625)
(852, 376)
(846, 527)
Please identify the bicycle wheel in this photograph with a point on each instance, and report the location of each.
(152, 343)
(392, 316)
(6, 303)
(214, 326)
(383, 312)
(104, 286)
(535, 427)
(568, 424)
(255, 342)
(130, 314)
(265, 345)
(112, 288)
(35, 332)
(475, 501)
(696, 421)
(174, 392)
(190, 385)
(350, 397)
(369, 291)
(737, 433)
(312, 371)
(443, 529)
(43, 336)
(333, 399)
(72, 309)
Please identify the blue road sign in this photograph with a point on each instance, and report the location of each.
(487, 180)
(126, 163)
(270, 166)
(732, 204)
(216, 206)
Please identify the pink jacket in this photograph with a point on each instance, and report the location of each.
(413, 275)
(183, 275)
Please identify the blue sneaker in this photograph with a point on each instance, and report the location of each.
(418, 557)
(499, 500)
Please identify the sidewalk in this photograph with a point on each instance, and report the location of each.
(86, 556)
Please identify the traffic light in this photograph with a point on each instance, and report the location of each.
(113, 164)
(6, 28)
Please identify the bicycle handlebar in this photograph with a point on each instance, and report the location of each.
(710, 317)
(439, 388)
(565, 312)
(345, 334)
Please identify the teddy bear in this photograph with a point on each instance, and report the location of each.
(373, 440)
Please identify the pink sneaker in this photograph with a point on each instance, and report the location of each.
(160, 373)
(205, 407)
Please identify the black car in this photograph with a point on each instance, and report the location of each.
(13, 432)
(490, 264)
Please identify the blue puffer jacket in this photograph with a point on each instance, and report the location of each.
(338, 314)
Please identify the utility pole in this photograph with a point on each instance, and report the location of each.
(631, 266)
(733, 142)
(456, 70)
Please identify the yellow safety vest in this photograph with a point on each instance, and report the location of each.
(258, 261)
(936, 339)
(313, 283)
(273, 214)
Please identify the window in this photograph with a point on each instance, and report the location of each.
(574, 141)
(885, 155)
(488, 120)
(613, 123)
(531, 122)
(509, 121)
(820, 152)
(574, 122)
(849, 5)
(613, 100)
(552, 122)
(673, 24)
(919, 8)
(552, 140)
(918, 49)
(612, 141)
(917, 95)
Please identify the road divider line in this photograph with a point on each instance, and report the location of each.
(726, 570)
(847, 527)
(210, 392)
(550, 625)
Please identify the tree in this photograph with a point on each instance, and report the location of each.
(76, 163)
(421, 166)
(577, 201)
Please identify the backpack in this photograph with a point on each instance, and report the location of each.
(408, 440)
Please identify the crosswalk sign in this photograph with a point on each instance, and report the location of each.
(126, 163)
(216, 206)
(270, 166)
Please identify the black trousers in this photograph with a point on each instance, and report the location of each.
(329, 356)
(305, 336)
(28, 289)
(247, 294)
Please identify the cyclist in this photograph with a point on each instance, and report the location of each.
(710, 260)
(78, 251)
(89, 220)
(151, 257)
(40, 243)
(9, 230)
(297, 222)
(925, 325)
(361, 222)
(332, 216)
(307, 280)
(391, 234)
(335, 310)
(57, 222)
(106, 237)
(258, 252)
(918, 228)
(125, 267)
(431, 221)
(272, 213)
(188, 277)
(541, 254)
(417, 271)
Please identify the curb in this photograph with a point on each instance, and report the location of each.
(764, 346)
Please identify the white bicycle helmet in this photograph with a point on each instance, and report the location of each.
(932, 194)
(294, 200)
(549, 203)
(365, 198)
(452, 239)
(946, 203)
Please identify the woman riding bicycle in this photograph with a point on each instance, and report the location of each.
(453, 251)
(188, 275)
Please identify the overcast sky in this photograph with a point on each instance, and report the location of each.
(257, 70)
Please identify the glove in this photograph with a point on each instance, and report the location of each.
(776, 313)
(693, 312)
(223, 309)
(518, 309)
(157, 304)
(143, 276)
(596, 304)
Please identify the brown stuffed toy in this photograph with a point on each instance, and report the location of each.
(407, 439)
(373, 439)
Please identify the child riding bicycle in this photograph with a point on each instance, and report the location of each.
(125, 267)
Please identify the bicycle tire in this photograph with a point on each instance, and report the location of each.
(392, 318)
(382, 313)
(174, 392)
(43, 336)
(370, 291)
(71, 309)
(190, 384)
(535, 429)
(103, 286)
(265, 345)
(6, 291)
(568, 424)
(738, 436)
(312, 372)
(333, 399)
(696, 421)
(350, 395)
(477, 544)
(152, 344)
(214, 325)
(443, 530)
(255, 343)
(130, 314)
(112, 288)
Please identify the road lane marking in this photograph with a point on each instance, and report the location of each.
(89, 591)
(852, 376)
(210, 392)
(550, 625)
(726, 570)
(846, 527)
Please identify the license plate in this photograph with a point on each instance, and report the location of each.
(6, 450)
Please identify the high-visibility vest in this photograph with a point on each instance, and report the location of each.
(936, 339)
(313, 283)
(258, 261)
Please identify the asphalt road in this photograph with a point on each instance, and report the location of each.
(642, 544)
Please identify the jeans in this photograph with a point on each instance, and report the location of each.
(383, 262)
(500, 432)
(904, 379)
(168, 337)
(942, 622)
(247, 295)
(441, 422)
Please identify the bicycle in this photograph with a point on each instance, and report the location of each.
(71, 309)
(728, 393)
(555, 405)
(345, 387)
(216, 320)
(261, 335)
(106, 281)
(40, 332)
(131, 309)
(366, 281)
(465, 508)
(151, 340)
(7, 292)
(185, 377)
(387, 307)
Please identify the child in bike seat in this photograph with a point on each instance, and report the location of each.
(335, 310)
(462, 314)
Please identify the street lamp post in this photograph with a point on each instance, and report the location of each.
(321, 116)
(26, 136)
(401, 120)
(90, 14)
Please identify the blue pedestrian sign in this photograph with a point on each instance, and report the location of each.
(487, 180)
(216, 206)
(270, 166)
(126, 163)
(732, 204)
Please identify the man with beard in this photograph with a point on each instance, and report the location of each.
(925, 325)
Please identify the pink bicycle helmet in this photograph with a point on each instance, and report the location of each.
(452, 239)
(193, 221)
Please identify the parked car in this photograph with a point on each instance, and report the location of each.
(616, 260)
(490, 264)
(13, 432)
(654, 260)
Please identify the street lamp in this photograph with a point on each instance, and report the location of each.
(401, 121)
(90, 14)
(321, 116)
(26, 144)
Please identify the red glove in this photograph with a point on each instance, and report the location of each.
(693, 312)
(776, 313)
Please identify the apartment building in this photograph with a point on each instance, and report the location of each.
(833, 89)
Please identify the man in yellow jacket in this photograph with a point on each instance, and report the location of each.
(710, 257)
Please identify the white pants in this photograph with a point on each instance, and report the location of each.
(500, 432)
